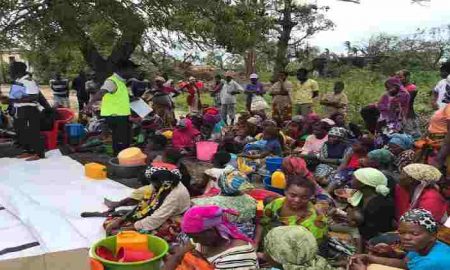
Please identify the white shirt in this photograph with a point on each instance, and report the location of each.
(230, 87)
(31, 86)
(440, 89)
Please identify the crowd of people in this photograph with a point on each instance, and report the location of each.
(356, 196)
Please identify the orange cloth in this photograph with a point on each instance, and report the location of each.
(438, 122)
(194, 262)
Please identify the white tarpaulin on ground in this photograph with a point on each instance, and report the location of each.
(42, 203)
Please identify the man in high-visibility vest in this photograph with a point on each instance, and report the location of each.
(115, 104)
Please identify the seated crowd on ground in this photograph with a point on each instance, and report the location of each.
(343, 195)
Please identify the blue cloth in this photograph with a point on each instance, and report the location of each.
(17, 91)
(274, 147)
(437, 259)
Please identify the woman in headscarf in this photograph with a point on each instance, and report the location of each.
(193, 88)
(393, 105)
(162, 102)
(218, 240)
(295, 209)
(382, 160)
(400, 146)
(374, 204)
(293, 248)
(418, 189)
(162, 203)
(332, 153)
(185, 135)
(232, 185)
(418, 237)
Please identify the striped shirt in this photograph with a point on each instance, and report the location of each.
(60, 87)
(239, 258)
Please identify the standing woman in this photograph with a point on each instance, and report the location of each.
(193, 88)
(24, 95)
(281, 99)
(393, 105)
(162, 102)
(411, 125)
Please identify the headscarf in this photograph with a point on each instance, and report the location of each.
(421, 217)
(232, 182)
(184, 135)
(405, 141)
(295, 248)
(169, 179)
(427, 175)
(201, 218)
(296, 166)
(338, 132)
(328, 121)
(372, 178)
(394, 81)
(382, 156)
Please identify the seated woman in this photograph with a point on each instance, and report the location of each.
(353, 131)
(160, 209)
(376, 207)
(332, 153)
(296, 209)
(313, 143)
(417, 231)
(382, 160)
(219, 241)
(232, 186)
(273, 146)
(293, 247)
(155, 147)
(400, 146)
(418, 189)
(350, 163)
(294, 130)
(185, 135)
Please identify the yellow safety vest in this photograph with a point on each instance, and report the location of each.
(117, 103)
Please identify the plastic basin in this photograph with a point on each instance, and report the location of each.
(273, 163)
(206, 150)
(75, 130)
(158, 246)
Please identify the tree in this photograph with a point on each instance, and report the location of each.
(294, 24)
(37, 24)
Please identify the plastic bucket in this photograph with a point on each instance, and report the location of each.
(268, 186)
(75, 130)
(273, 163)
(158, 246)
(206, 150)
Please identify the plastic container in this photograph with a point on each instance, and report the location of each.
(278, 180)
(75, 130)
(132, 156)
(129, 255)
(131, 240)
(268, 186)
(158, 246)
(96, 265)
(273, 163)
(206, 150)
(95, 171)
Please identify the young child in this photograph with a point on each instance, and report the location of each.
(243, 137)
(273, 145)
(155, 148)
(313, 143)
(210, 176)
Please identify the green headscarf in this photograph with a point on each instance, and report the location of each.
(383, 156)
(370, 177)
(295, 248)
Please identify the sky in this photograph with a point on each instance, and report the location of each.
(357, 22)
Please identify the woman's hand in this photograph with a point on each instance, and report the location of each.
(114, 225)
(175, 258)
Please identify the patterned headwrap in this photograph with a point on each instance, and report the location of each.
(201, 218)
(422, 218)
(338, 132)
(232, 182)
(169, 177)
(295, 248)
(427, 175)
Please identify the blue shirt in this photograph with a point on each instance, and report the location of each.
(437, 259)
(274, 147)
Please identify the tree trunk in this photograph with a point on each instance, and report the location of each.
(250, 62)
(287, 24)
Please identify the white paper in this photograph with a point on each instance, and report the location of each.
(140, 107)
